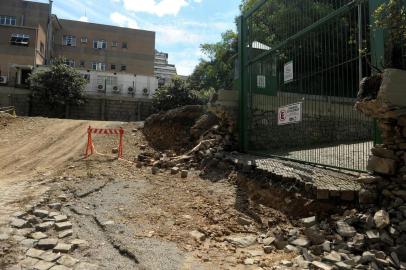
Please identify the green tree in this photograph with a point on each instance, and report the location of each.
(218, 71)
(58, 85)
(174, 95)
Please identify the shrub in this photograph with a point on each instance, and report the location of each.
(58, 85)
(174, 95)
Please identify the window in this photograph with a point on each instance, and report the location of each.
(99, 66)
(20, 40)
(83, 40)
(123, 67)
(125, 46)
(99, 44)
(86, 77)
(113, 66)
(107, 80)
(82, 64)
(69, 41)
(42, 48)
(8, 20)
(69, 62)
(114, 44)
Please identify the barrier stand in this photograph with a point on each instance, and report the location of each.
(104, 131)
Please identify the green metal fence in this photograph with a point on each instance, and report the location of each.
(301, 62)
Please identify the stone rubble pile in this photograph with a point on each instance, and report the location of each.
(47, 237)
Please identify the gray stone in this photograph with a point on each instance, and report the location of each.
(86, 266)
(40, 213)
(268, 249)
(315, 236)
(249, 261)
(280, 243)
(50, 256)
(63, 248)
(369, 179)
(29, 243)
(402, 226)
(366, 196)
(61, 218)
(53, 214)
(34, 253)
(154, 170)
(42, 265)
(38, 235)
(47, 243)
(286, 263)
(322, 266)
(242, 240)
(309, 221)
(382, 165)
(4, 236)
(367, 257)
(68, 261)
(300, 242)
(63, 226)
(343, 266)
(381, 219)
(372, 235)
(382, 152)
(333, 257)
(19, 223)
(65, 233)
(385, 238)
(345, 230)
(19, 214)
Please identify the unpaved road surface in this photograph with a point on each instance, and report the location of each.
(33, 148)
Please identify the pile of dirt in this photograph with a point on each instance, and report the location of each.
(5, 119)
(186, 137)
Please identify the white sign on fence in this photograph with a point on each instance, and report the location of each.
(290, 114)
(288, 72)
(261, 81)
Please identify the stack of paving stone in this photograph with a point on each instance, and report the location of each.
(46, 236)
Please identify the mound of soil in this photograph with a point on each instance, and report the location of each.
(5, 119)
(178, 129)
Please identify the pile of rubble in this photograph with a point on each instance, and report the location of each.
(193, 138)
(45, 235)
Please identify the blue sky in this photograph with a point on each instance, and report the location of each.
(180, 25)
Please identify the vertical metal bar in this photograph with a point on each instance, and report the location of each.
(360, 42)
(242, 101)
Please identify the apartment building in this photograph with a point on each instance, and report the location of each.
(30, 36)
(163, 70)
(23, 39)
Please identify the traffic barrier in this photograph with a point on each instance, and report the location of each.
(103, 131)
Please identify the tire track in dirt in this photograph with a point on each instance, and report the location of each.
(38, 151)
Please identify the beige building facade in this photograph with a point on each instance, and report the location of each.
(27, 41)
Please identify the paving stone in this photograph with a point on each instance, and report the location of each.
(47, 243)
(19, 214)
(45, 226)
(320, 265)
(19, 223)
(29, 262)
(56, 206)
(60, 267)
(61, 218)
(18, 238)
(34, 253)
(38, 235)
(343, 266)
(268, 241)
(300, 242)
(29, 243)
(41, 265)
(309, 221)
(63, 226)
(65, 233)
(49, 256)
(86, 266)
(62, 247)
(67, 261)
(24, 232)
(54, 214)
(333, 257)
(40, 213)
(79, 243)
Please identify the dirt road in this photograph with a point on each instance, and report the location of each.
(31, 148)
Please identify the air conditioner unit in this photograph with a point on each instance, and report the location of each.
(130, 90)
(100, 87)
(3, 79)
(145, 91)
(116, 89)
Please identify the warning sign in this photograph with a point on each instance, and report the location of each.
(290, 114)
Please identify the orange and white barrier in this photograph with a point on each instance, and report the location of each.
(103, 131)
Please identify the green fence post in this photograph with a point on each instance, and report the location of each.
(242, 91)
(377, 38)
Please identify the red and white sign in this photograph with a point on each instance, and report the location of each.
(290, 114)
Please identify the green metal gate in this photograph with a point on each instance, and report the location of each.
(301, 62)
